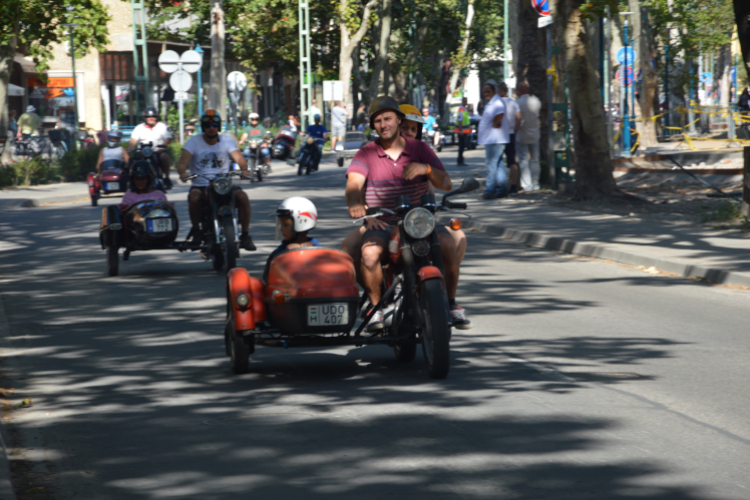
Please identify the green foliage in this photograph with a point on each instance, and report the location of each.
(190, 112)
(726, 211)
(29, 172)
(38, 24)
(76, 164)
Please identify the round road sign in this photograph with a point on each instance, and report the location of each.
(191, 61)
(236, 82)
(169, 61)
(541, 7)
(181, 81)
(628, 76)
(631, 56)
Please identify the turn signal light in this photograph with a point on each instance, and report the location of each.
(455, 224)
(278, 297)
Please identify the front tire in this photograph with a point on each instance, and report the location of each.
(94, 200)
(230, 245)
(113, 261)
(239, 350)
(436, 332)
(340, 161)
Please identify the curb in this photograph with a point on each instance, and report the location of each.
(37, 202)
(6, 486)
(601, 251)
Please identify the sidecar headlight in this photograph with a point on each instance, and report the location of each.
(222, 185)
(419, 223)
(242, 300)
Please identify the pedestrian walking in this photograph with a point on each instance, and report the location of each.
(462, 130)
(338, 123)
(494, 137)
(361, 116)
(527, 137)
(511, 122)
(314, 110)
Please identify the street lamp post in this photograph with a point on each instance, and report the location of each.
(199, 50)
(73, 60)
(625, 117)
(666, 88)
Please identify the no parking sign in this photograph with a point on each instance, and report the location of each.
(541, 6)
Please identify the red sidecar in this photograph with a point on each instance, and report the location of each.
(311, 299)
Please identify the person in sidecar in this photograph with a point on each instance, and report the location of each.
(390, 166)
(142, 190)
(210, 153)
(295, 217)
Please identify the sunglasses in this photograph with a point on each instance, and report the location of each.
(211, 124)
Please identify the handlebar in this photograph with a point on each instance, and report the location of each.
(210, 178)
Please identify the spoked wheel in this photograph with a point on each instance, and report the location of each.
(239, 351)
(436, 332)
(230, 245)
(113, 261)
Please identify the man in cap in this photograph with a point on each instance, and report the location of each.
(384, 169)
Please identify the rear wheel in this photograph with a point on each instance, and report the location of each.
(435, 329)
(230, 245)
(113, 261)
(239, 350)
(94, 200)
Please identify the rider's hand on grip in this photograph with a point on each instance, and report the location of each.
(373, 210)
(357, 211)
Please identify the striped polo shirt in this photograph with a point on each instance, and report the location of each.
(385, 179)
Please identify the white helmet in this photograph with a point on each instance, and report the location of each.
(302, 210)
(253, 115)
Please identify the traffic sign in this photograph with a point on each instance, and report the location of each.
(181, 81)
(707, 77)
(180, 96)
(631, 56)
(628, 76)
(236, 81)
(169, 61)
(543, 21)
(541, 7)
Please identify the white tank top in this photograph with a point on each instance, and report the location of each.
(113, 153)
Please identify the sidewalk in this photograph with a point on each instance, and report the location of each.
(686, 250)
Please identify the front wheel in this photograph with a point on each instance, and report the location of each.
(94, 200)
(340, 162)
(230, 245)
(239, 351)
(113, 261)
(436, 331)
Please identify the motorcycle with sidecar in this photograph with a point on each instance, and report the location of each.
(310, 297)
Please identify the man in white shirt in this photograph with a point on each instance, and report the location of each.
(511, 120)
(494, 137)
(527, 137)
(157, 133)
(211, 153)
(314, 110)
(338, 124)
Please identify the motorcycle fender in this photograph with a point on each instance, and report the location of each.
(224, 211)
(239, 282)
(93, 183)
(429, 273)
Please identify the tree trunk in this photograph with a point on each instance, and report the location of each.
(348, 44)
(723, 69)
(531, 65)
(217, 92)
(456, 71)
(6, 67)
(650, 85)
(742, 17)
(593, 166)
(378, 80)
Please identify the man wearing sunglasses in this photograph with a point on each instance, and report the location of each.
(209, 154)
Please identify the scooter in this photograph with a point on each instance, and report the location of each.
(284, 142)
(311, 297)
(113, 179)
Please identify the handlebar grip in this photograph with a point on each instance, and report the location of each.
(459, 205)
(373, 210)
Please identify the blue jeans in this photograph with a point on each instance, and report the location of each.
(497, 178)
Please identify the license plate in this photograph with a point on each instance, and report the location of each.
(328, 314)
(113, 186)
(159, 225)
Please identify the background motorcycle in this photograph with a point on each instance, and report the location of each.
(429, 140)
(113, 179)
(145, 151)
(219, 222)
(284, 142)
(256, 164)
(146, 225)
(415, 302)
(309, 157)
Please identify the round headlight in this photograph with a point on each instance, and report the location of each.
(147, 151)
(419, 223)
(242, 300)
(309, 140)
(222, 185)
(253, 144)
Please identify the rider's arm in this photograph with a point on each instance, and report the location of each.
(239, 159)
(355, 184)
(182, 164)
(125, 156)
(243, 138)
(133, 143)
(438, 178)
(99, 161)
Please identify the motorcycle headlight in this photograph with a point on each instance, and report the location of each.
(310, 140)
(253, 144)
(147, 151)
(419, 223)
(158, 214)
(222, 185)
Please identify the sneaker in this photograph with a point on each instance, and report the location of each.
(376, 322)
(513, 189)
(458, 315)
(246, 242)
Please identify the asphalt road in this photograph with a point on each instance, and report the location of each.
(580, 380)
